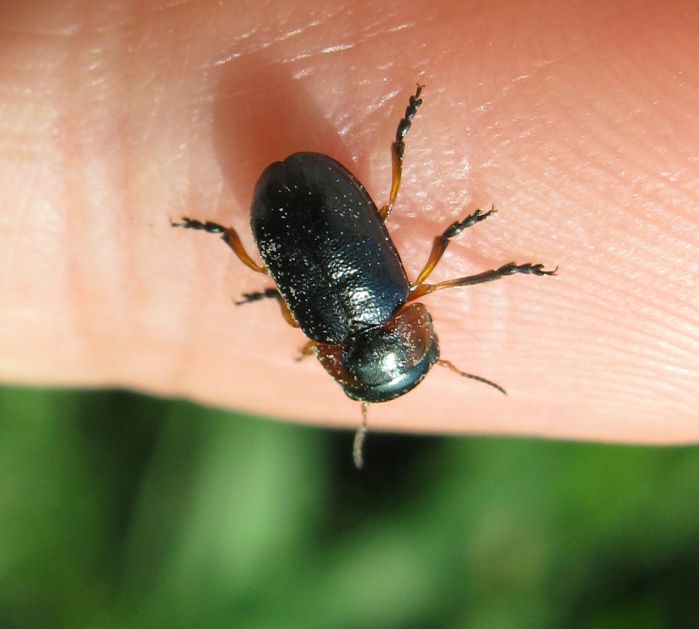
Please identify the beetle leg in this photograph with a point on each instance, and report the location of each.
(442, 242)
(269, 293)
(398, 148)
(487, 276)
(359, 437)
(228, 235)
(308, 349)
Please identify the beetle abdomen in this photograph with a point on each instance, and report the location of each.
(325, 245)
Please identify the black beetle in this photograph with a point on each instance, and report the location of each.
(340, 279)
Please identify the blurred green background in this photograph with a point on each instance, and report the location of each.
(120, 510)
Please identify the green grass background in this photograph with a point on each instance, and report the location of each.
(120, 510)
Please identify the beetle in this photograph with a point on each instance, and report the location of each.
(340, 279)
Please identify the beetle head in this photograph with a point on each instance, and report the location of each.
(384, 362)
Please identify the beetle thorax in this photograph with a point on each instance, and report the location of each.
(385, 362)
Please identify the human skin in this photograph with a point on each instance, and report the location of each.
(576, 120)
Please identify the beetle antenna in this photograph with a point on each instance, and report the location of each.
(448, 365)
(359, 437)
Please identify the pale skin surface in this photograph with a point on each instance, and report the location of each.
(578, 122)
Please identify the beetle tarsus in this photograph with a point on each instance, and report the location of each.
(192, 223)
(258, 296)
(457, 227)
(527, 268)
(405, 122)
